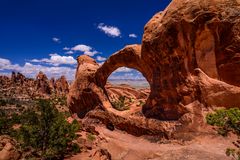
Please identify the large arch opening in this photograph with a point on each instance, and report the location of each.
(129, 57)
(127, 89)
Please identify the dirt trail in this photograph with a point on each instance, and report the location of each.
(123, 146)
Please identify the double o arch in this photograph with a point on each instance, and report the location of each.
(86, 91)
(129, 57)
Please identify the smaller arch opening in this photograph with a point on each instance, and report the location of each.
(127, 90)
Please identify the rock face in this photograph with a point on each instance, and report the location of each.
(42, 83)
(18, 78)
(61, 85)
(189, 34)
(217, 93)
(82, 96)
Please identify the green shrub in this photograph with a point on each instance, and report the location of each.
(91, 137)
(227, 120)
(5, 123)
(47, 132)
(141, 103)
(3, 102)
(120, 104)
(44, 131)
(233, 153)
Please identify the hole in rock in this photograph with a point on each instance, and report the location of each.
(127, 90)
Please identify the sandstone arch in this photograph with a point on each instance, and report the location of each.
(186, 36)
(129, 57)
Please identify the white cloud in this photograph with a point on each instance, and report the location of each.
(31, 70)
(56, 60)
(99, 58)
(87, 50)
(6, 64)
(126, 76)
(132, 35)
(69, 52)
(82, 48)
(123, 69)
(111, 31)
(66, 49)
(55, 39)
(92, 53)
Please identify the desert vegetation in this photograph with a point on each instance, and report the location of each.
(120, 104)
(227, 120)
(43, 132)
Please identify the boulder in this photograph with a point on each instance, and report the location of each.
(217, 93)
(8, 150)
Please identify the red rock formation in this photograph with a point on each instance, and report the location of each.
(129, 57)
(20, 87)
(42, 83)
(61, 85)
(83, 96)
(52, 83)
(189, 34)
(18, 78)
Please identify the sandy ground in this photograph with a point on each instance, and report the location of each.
(123, 146)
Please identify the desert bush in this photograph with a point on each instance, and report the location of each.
(141, 103)
(227, 120)
(3, 102)
(120, 104)
(47, 132)
(5, 123)
(91, 137)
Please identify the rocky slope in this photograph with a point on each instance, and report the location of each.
(122, 146)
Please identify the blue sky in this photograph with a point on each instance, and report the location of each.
(48, 35)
